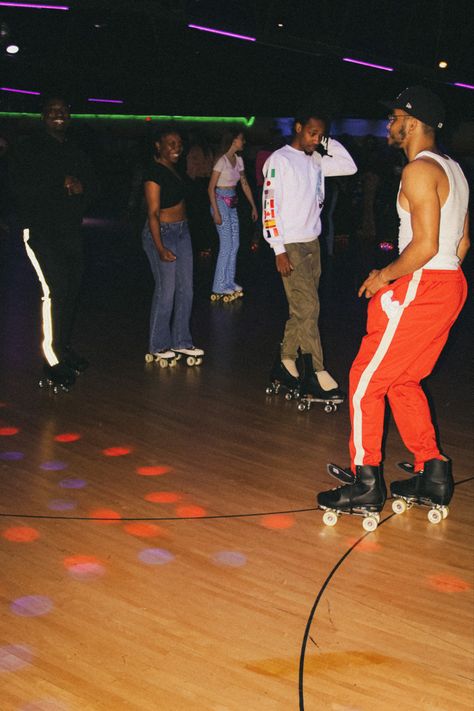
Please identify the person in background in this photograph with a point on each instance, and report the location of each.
(167, 244)
(199, 162)
(227, 172)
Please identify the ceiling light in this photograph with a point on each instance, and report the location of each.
(443, 64)
(12, 49)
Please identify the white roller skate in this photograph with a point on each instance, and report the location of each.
(192, 355)
(165, 359)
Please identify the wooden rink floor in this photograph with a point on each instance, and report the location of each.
(160, 548)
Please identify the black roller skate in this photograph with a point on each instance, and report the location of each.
(58, 377)
(282, 380)
(433, 486)
(310, 389)
(364, 496)
(76, 362)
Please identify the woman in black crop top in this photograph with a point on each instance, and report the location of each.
(167, 244)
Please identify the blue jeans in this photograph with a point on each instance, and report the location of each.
(228, 231)
(173, 295)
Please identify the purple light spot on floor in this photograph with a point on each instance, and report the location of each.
(155, 556)
(31, 606)
(61, 505)
(55, 465)
(15, 656)
(72, 483)
(86, 571)
(11, 456)
(230, 558)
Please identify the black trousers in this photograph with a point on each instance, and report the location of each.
(58, 261)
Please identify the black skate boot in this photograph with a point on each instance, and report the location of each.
(74, 361)
(433, 486)
(365, 497)
(310, 389)
(57, 377)
(282, 379)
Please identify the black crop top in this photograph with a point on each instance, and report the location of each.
(172, 187)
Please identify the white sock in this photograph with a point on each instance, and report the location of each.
(325, 380)
(291, 367)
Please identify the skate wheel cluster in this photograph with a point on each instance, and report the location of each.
(172, 362)
(305, 404)
(369, 523)
(226, 298)
(436, 514)
(55, 387)
(274, 389)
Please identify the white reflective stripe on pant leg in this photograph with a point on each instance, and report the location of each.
(365, 378)
(46, 307)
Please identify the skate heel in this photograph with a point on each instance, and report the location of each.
(433, 487)
(193, 356)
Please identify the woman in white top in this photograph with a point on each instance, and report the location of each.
(227, 172)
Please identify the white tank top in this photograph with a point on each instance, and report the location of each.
(453, 214)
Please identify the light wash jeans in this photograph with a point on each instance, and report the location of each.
(228, 231)
(173, 295)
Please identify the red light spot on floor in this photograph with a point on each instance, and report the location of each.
(366, 544)
(105, 516)
(448, 583)
(8, 431)
(21, 534)
(278, 521)
(73, 560)
(67, 437)
(153, 470)
(116, 451)
(162, 497)
(190, 511)
(144, 530)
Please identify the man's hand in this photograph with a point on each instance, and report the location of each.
(373, 283)
(73, 185)
(322, 147)
(283, 264)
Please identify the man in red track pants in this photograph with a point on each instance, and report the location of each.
(414, 302)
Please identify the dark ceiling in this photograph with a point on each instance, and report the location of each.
(142, 51)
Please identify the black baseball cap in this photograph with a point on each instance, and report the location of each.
(421, 103)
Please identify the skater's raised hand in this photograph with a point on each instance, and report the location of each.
(283, 264)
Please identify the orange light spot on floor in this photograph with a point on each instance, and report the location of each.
(21, 534)
(366, 545)
(8, 431)
(278, 521)
(190, 511)
(144, 530)
(116, 451)
(162, 497)
(105, 516)
(448, 583)
(153, 470)
(68, 437)
(73, 560)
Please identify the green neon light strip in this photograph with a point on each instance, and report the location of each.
(144, 117)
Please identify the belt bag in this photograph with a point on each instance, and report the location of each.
(230, 200)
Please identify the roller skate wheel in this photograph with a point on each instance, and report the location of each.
(435, 515)
(329, 408)
(198, 361)
(302, 408)
(288, 396)
(370, 523)
(445, 511)
(269, 390)
(149, 358)
(172, 363)
(226, 299)
(214, 297)
(330, 518)
(190, 360)
(399, 506)
(163, 363)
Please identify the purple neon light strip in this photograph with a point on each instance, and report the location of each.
(368, 64)
(34, 6)
(463, 86)
(221, 32)
(20, 91)
(107, 101)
